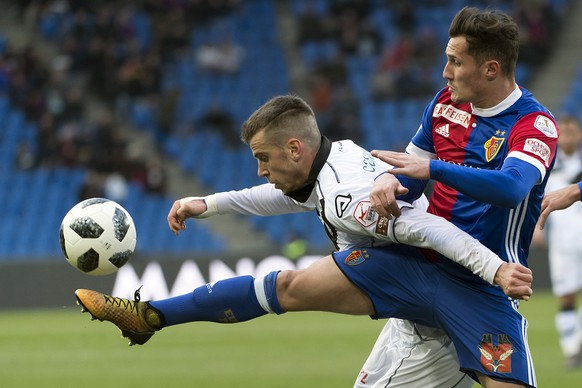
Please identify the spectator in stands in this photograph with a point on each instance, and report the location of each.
(25, 157)
(344, 116)
(388, 77)
(334, 69)
(426, 50)
(310, 25)
(320, 93)
(48, 143)
(156, 179)
(404, 17)
(537, 20)
(349, 31)
(223, 57)
(92, 186)
(369, 40)
(218, 120)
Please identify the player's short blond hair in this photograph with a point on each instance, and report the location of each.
(283, 117)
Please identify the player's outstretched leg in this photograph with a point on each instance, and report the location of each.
(233, 300)
(138, 321)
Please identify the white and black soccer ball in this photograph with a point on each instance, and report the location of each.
(97, 236)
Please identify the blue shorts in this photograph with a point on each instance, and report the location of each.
(488, 332)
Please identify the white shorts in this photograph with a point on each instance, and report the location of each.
(411, 355)
(565, 270)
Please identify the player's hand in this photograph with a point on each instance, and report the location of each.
(406, 164)
(515, 280)
(383, 195)
(181, 211)
(558, 200)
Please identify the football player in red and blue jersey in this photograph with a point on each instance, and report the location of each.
(490, 146)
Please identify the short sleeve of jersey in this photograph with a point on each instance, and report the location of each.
(534, 140)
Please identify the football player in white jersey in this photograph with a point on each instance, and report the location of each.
(563, 239)
(308, 172)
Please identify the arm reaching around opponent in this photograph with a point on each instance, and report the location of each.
(505, 187)
(415, 227)
(418, 228)
(559, 200)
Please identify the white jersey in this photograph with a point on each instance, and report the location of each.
(341, 199)
(563, 228)
(403, 354)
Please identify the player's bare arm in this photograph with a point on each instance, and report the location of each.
(515, 280)
(558, 200)
(182, 210)
(419, 228)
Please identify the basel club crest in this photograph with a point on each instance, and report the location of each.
(356, 257)
(492, 147)
(496, 358)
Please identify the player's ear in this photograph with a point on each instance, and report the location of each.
(492, 69)
(295, 148)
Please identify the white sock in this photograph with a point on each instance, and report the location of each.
(568, 326)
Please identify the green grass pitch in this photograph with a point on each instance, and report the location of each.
(63, 348)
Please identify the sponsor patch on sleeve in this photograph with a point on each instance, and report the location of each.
(382, 226)
(365, 214)
(539, 148)
(546, 126)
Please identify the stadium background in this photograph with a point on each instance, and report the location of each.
(141, 102)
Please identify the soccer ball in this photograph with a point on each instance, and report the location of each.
(97, 236)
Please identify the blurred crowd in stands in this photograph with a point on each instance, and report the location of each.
(404, 57)
(108, 52)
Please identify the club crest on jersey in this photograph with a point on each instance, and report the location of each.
(365, 214)
(492, 147)
(496, 358)
(356, 257)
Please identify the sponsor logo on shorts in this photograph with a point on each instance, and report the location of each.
(356, 257)
(496, 358)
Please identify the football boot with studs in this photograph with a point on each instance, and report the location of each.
(138, 321)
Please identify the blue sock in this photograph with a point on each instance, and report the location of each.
(269, 286)
(226, 301)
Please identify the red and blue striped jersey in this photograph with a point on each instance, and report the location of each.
(484, 140)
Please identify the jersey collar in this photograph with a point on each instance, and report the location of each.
(503, 105)
(302, 194)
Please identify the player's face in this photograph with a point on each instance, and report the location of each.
(466, 79)
(570, 136)
(278, 163)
